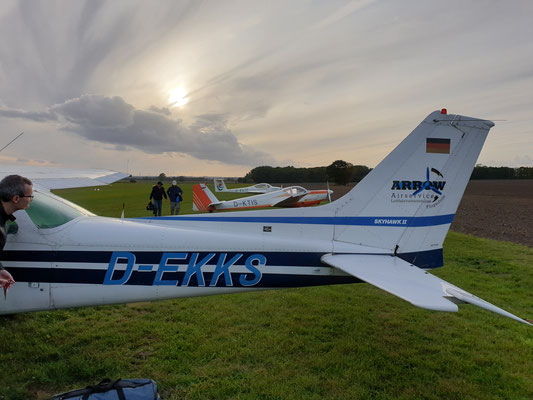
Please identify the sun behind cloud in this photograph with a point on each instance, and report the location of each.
(178, 97)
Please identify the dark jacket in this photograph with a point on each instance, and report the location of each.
(174, 193)
(3, 235)
(158, 193)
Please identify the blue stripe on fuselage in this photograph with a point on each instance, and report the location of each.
(422, 259)
(354, 221)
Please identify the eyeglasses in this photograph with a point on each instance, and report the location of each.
(23, 195)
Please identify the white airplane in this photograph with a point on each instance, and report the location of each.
(292, 196)
(220, 186)
(387, 231)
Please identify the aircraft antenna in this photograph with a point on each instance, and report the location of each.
(19, 135)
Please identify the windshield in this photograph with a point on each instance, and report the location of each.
(48, 211)
(295, 190)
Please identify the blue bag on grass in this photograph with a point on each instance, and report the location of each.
(121, 389)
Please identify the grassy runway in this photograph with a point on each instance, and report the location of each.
(332, 342)
(108, 200)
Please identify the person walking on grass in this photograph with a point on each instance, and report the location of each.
(174, 195)
(158, 192)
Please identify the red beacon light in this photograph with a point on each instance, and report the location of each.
(444, 111)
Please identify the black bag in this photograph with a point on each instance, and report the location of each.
(150, 206)
(121, 389)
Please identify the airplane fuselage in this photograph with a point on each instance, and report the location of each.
(96, 260)
(280, 198)
(258, 188)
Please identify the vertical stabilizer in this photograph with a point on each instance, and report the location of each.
(202, 198)
(219, 184)
(409, 200)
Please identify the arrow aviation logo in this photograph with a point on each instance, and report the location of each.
(418, 191)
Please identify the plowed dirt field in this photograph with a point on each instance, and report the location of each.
(494, 209)
(497, 209)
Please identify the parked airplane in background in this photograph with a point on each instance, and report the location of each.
(387, 231)
(220, 186)
(292, 196)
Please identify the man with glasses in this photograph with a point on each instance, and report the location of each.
(16, 193)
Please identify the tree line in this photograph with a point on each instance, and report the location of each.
(484, 172)
(341, 173)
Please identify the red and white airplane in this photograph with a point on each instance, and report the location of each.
(220, 186)
(292, 196)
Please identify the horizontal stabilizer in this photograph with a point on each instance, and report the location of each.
(409, 282)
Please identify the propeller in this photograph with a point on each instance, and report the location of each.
(427, 185)
(329, 191)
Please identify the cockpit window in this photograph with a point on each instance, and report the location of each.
(48, 211)
(295, 190)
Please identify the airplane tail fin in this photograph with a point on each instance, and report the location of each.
(407, 203)
(219, 184)
(202, 198)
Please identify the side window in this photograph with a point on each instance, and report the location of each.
(11, 227)
(48, 212)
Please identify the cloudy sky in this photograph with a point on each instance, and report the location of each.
(218, 87)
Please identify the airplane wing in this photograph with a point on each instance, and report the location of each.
(62, 178)
(287, 201)
(409, 282)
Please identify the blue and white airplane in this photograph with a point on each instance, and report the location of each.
(388, 231)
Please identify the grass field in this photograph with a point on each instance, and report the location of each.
(332, 342)
(107, 201)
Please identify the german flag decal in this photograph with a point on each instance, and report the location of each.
(434, 145)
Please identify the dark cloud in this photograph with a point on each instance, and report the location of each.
(29, 115)
(95, 112)
(113, 121)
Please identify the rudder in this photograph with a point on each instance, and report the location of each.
(220, 185)
(202, 198)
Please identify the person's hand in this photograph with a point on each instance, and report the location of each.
(6, 280)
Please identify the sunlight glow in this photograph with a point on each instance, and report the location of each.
(178, 97)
